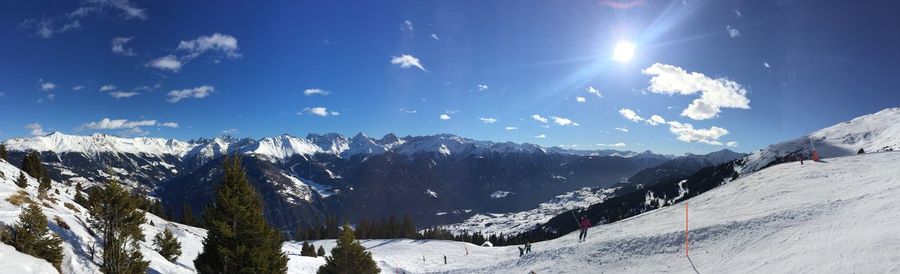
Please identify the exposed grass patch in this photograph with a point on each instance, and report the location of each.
(20, 198)
(72, 207)
(59, 221)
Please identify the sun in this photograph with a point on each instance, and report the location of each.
(623, 52)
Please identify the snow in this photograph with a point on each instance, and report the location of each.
(836, 217)
(282, 147)
(500, 194)
(99, 143)
(516, 222)
(873, 132)
(431, 193)
(14, 262)
(77, 241)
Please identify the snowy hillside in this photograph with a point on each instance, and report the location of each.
(835, 217)
(875, 132)
(517, 222)
(77, 240)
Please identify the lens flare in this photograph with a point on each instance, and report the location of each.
(623, 52)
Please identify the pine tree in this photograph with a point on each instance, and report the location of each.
(32, 165)
(22, 181)
(304, 250)
(239, 239)
(44, 186)
(115, 214)
(79, 198)
(30, 235)
(321, 251)
(187, 214)
(167, 245)
(348, 256)
(3, 153)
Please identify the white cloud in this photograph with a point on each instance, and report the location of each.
(168, 62)
(108, 87)
(539, 118)
(715, 93)
(687, 133)
(733, 32)
(580, 99)
(224, 43)
(407, 61)
(594, 91)
(107, 123)
(230, 131)
(732, 144)
(169, 124)
(197, 92)
(444, 117)
(136, 131)
(511, 128)
(487, 120)
(656, 120)
(315, 91)
(407, 26)
(737, 12)
(630, 115)
(78, 87)
(612, 145)
(36, 129)
(320, 111)
(540, 136)
(51, 97)
(563, 121)
(123, 94)
(622, 129)
(766, 64)
(410, 111)
(47, 86)
(118, 46)
(435, 37)
(47, 26)
(482, 87)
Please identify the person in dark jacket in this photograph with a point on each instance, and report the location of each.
(521, 251)
(585, 224)
(527, 247)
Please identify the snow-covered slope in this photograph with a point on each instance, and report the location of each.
(835, 217)
(14, 262)
(77, 240)
(518, 222)
(875, 132)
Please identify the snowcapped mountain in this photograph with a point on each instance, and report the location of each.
(875, 132)
(97, 144)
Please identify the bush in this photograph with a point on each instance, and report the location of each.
(72, 207)
(59, 221)
(20, 198)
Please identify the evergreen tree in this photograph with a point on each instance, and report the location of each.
(115, 214)
(167, 245)
(44, 186)
(32, 165)
(312, 250)
(187, 214)
(304, 250)
(239, 239)
(348, 256)
(409, 228)
(79, 198)
(3, 153)
(22, 181)
(321, 251)
(30, 235)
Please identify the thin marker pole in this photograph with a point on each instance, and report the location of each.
(686, 229)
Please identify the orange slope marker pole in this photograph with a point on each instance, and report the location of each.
(686, 229)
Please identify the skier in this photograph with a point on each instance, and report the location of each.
(521, 251)
(527, 247)
(445, 259)
(585, 224)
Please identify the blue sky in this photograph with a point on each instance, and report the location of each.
(716, 73)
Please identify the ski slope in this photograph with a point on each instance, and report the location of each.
(834, 217)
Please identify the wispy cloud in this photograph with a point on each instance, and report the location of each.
(732, 144)
(230, 131)
(46, 86)
(715, 94)
(106, 123)
(540, 118)
(612, 145)
(435, 36)
(630, 115)
(198, 92)
(78, 87)
(732, 32)
(108, 87)
(580, 99)
(487, 120)
(407, 61)
(407, 26)
(540, 136)
(409, 111)
(319, 111)
(687, 133)
(655, 120)
(594, 91)
(563, 121)
(36, 129)
(315, 91)
(48, 26)
(118, 46)
(511, 128)
(168, 62)
(444, 117)
(622, 129)
(123, 94)
(482, 87)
